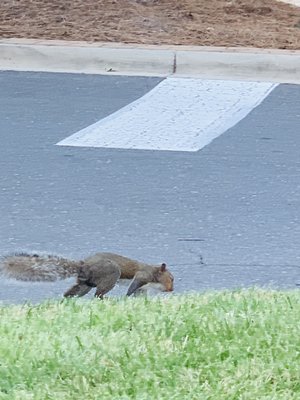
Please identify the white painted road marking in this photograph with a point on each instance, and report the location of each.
(179, 114)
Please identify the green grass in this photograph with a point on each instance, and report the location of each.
(223, 345)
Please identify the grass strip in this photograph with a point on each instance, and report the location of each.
(241, 344)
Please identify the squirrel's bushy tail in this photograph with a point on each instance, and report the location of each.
(37, 267)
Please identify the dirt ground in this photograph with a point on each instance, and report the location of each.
(251, 23)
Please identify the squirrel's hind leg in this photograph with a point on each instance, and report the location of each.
(106, 278)
(104, 287)
(80, 289)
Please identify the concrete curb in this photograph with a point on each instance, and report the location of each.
(121, 59)
(293, 2)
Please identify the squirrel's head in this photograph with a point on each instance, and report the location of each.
(165, 278)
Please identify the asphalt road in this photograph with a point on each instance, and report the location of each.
(224, 217)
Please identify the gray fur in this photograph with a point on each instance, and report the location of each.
(33, 267)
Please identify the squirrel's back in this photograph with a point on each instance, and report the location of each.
(37, 267)
(128, 266)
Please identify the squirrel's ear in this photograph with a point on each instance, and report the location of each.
(163, 267)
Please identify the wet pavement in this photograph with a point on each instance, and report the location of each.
(226, 216)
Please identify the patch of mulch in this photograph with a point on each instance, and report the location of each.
(251, 23)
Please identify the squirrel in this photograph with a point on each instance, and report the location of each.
(100, 271)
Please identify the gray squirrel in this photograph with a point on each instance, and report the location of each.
(101, 271)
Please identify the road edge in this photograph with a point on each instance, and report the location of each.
(280, 66)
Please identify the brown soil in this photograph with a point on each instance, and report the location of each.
(251, 23)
